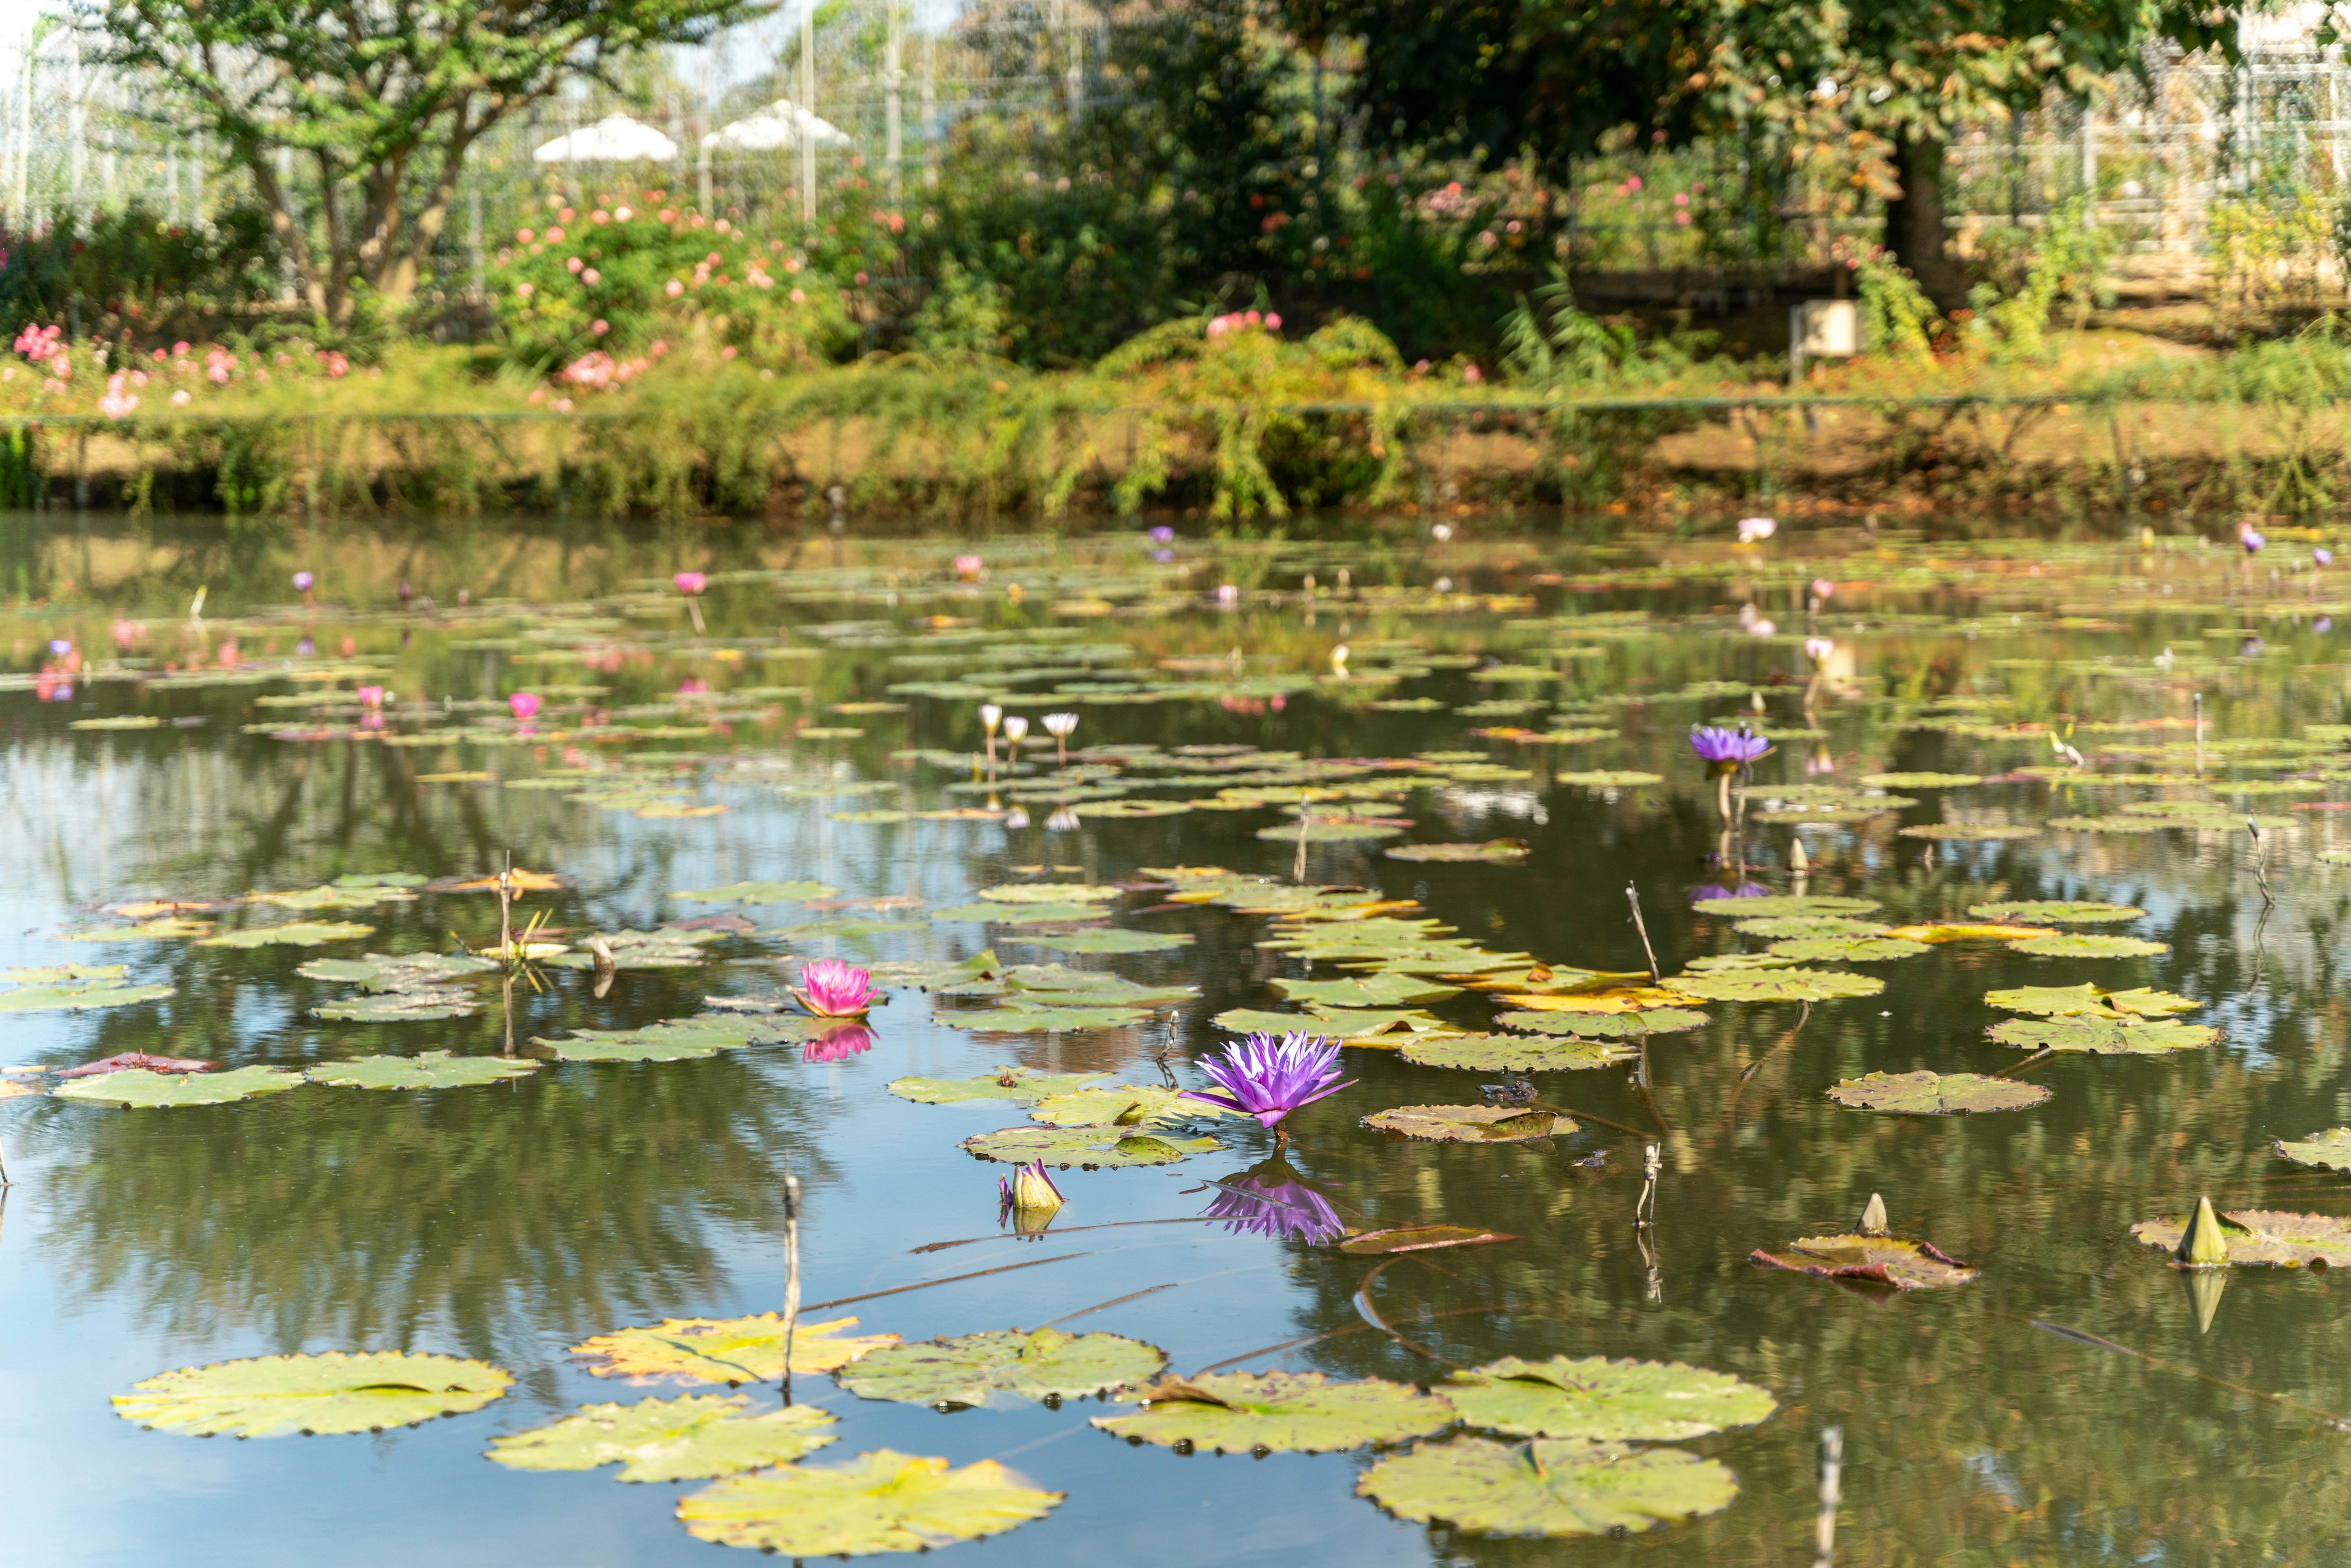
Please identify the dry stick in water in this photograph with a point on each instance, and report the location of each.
(945, 1279)
(1305, 819)
(2261, 863)
(1832, 1493)
(2034, 1059)
(791, 1270)
(2329, 1418)
(1645, 1208)
(1633, 898)
(1370, 1314)
(1756, 1066)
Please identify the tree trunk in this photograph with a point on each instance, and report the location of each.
(1914, 220)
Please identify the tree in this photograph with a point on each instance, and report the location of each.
(381, 101)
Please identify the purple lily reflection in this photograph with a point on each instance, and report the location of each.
(1714, 890)
(839, 1045)
(1270, 1200)
(1268, 1078)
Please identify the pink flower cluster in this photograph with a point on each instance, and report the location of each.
(599, 371)
(1241, 320)
(117, 403)
(39, 344)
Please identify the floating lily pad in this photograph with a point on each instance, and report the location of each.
(1935, 1094)
(431, 1003)
(966, 1369)
(1493, 852)
(1633, 1024)
(2271, 1238)
(323, 1395)
(1546, 1488)
(2331, 1148)
(163, 928)
(1776, 986)
(410, 971)
(1381, 990)
(2056, 912)
(691, 1438)
(1328, 832)
(881, 1501)
(1878, 1259)
(294, 934)
(624, 1045)
(1041, 1019)
(725, 1350)
(140, 1089)
(2067, 1001)
(429, 1070)
(1968, 833)
(2113, 824)
(78, 995)
(1517, 1052)
(1846, 949)
(1603, 1400)
(1920, 781)
(1469, 1124)
(1125, 808)
(1771, 903)
(1051, 893)
(1089, 1148)
(2086, 945)
(759, 893)
(1109, 939)
(1824, 816)
(1019, 1084)
(333, 897)
(2102, 1036)
(1608, 777)
(1277, 1412)
(1777, 927)
(1121, 1105)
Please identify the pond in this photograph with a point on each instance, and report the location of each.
(1404, 795)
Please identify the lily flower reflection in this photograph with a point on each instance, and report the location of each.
(1269, 1200)
(839, 1044)
(1716, 890)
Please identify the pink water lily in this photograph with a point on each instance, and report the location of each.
(690, 583)
(523, 705)
(830, 988)
(369, 696)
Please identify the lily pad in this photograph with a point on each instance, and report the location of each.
(1517, 1052)
(2272, 1237)
(1878, 1259)
(2331, 1148)
(1548, 1488)
(163, 928)
(78, 995)
(1121, 1105)
(881, 1501)
(1603, 1400)
(1776, 986)
(1784, 903)
(430, 1070)
(1846, 949)
(2056, 912)
(759, 893)
(1493, 852)
(725, 1350)
(2102, 1036)
(294, 934)
(1089, 1148)
(1968, 833)
(1603, 1025)
(427, 1004)
(378, 972)
(334, 897)
(1608, 777)
(1110, 939)
(1381, 990)
(1019, 1084)
(138, 1087)
(1051, 893)
(1122, 808)
(2052, 1002)
(1040, 1019)
(323, 1395)
(2087, 945)
(691, 1438)
(1338, 833)
(966, 1369)
(1278, 1412)
(1469, 1124)
(1935, 1094)
(1920, 781)
(1776, 927)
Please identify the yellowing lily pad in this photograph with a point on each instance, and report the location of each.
(2269, 1238)
(1920, 781)
(1603, 1400)
(1121, 1105)
(1277, 1412)
(1548, 1488)
(428, 1070)
(1330, 832)
(324, 1395)
(1089, 1148)
(2057, 912)
(2331, 1148)
(966, 1369)
(691, 1438)
(1967, 832)
(1517, 1052)
(139, 1088)
(2086, 944)
(725, 1350)
(1935, 1094)
(162, 929)
(1776, 986)
(881, 1501)
(1469, 1124)
(1493, 852)
(1876, 1259)
(1632, 1026)
(1051, 892)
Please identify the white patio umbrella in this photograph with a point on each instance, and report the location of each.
(781, 124)
(615, 139)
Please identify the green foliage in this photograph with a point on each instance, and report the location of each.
(2061, 271)
(1896, 317)
(132, 271)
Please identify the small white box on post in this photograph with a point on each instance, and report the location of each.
(1822, 330)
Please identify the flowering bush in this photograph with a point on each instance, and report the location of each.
(594, 297)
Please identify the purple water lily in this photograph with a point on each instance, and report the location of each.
(2252, 537)
(1726, 750)
(1269, 1200)
(2320, 556)
(1268, 1078)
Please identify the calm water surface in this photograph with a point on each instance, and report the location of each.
(509, 1222)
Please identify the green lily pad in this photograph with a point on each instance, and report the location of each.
(1935, 1093)
(1778, 903)
(725, 1350)
(429, 1003)
(2067, 1001)
(1122, 808)
(1018, 1084)
(1469, 1124)
(294, 934)
(2271, 1238)
(1339, 1023)
(137, 1087)
(876, 814)
(429, 1070)
(2056, 912)
(640, 951)
(383, 879)
(1824, 816)
(1493, 852)
(881, 1501)
(691, 1438)
(2115, 824)
(799, 892)
(1846, 949)
(1277, 1412)
(1968, 833)
(335, 897)
(2102, 1036)
(2086, 945)
(1516, 1052)
(1382, 990)
(2331, 1148)
(163, 929)
(1776, 986)
(1089, 1148)
(410, 971)
(1606, 1025)
(1040, 1019)
(624, 1045)
(78, 995)
(1776, 927)
(1121, 1105)
(1051, 893)
(1920, 781)
(1022, 914)
(1546, 1488)
(1608, 777)
(966, 1369)
(1878, 1259)
(1338, 833)
(1603, 1400)
(323, 1395)
(1109, 939)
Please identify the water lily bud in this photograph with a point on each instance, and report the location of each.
(2201, 1244)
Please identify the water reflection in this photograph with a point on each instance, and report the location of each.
(1271, 1200)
